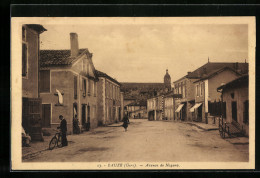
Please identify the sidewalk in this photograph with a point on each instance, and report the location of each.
(203, 126)
(239, 141)
(37, 146)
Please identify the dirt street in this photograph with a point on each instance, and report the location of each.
(146, 141)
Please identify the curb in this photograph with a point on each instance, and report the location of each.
(32, 154)
(192, 124)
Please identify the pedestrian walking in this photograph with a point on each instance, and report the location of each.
(126, 121)
(63, 128)
(76, 129)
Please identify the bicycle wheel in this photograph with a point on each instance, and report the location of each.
(59, 141)
(52, 143)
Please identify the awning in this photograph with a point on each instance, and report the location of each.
(179, 108)
(195, 107)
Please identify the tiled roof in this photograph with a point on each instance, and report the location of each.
(37, 27)
(138, 103)
(130, 85)
(234, 83)
(215, 72)
(102, 74)
(214, 66)
(58, 57)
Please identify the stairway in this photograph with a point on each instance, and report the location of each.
(233, 130)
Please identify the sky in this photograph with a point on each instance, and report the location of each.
(143, 52)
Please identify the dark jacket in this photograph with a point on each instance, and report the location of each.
(63, 126)
(126, 121)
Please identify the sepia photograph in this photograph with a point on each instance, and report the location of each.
(101, 93)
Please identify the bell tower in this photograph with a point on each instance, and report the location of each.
(167, 80)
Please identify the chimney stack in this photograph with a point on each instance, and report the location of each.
(74, 45)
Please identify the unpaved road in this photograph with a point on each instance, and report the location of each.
(146, 141)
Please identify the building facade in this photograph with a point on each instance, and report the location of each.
(68, 87)
(169, 105)
(206, 91)
(155, 108)
(137, 109)
(31, 101)
(195, 86)
(184, 87)
(235, 95)
(110, 106)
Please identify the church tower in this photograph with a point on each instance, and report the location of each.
(167, 80)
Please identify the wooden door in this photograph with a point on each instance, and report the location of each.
(46, 115)
(88, 119)
(234, 111)
(31, 117)
(83, 114)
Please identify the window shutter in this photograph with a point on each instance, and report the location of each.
(44, 81)
(75, 87)
(24, 59)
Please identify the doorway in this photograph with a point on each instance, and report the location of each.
(183, 112)
(199, 113)
(119, 114)
(234, 111)
(88, 119)
(46, 115)
(83, 116)
(75, 115)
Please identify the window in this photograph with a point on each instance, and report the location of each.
(88, 69)
(24, 53)
(44, 81)
(197, 90)
(246, 112)
(111, 90)
(89, 86)
(75, 87)
(182, 88)
(84, 84)
(23, 34)
(95, 88)
(201, 89)
(24, 59)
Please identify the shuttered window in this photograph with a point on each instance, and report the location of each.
(44, 81)
(84, 83)
(89, 87)
(24, 59)
(246, 112)
(75, 87)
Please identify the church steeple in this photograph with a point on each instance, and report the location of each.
(167, 80)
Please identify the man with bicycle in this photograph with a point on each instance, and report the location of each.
(63, 128)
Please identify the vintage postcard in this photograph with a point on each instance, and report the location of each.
(135, 93)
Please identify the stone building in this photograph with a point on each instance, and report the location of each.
(110, 107)
(235, 95)
(31, 101)
(199, 87)
(137, 109)
(206, 90)
(142, 91)
(68, 86)
(155, 108)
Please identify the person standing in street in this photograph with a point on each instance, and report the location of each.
(126, 121)
(63, 128)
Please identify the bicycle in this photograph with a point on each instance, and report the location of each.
(56, 140)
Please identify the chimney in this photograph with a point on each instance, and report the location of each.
(74, 45)
(189, 73)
